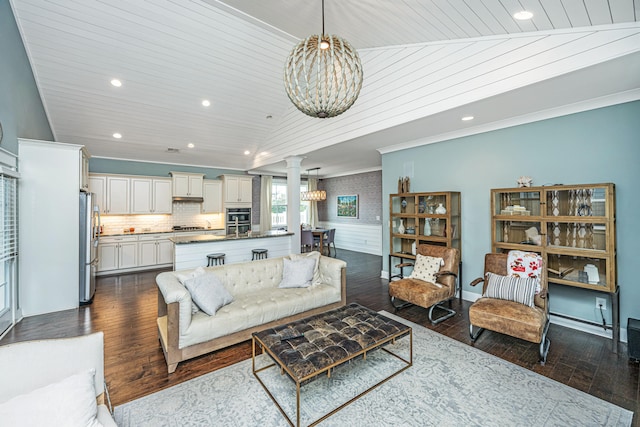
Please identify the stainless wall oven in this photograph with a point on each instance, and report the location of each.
(240, 219)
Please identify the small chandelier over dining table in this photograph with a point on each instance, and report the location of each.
(315, 195)
(323, 75)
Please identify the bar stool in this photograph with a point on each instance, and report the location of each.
(215, 259)
(258, 254)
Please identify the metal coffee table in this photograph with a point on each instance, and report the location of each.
(310, 347)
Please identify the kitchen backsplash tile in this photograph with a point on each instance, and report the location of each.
(184, 213)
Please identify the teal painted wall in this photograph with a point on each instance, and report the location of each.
(596, 146)
(21, 112)
(126, 167)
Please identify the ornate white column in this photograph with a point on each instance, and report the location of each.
(293, 200)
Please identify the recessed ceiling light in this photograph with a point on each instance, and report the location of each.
(117, 135)
(206, 103)
(191, 145)
(467, 118)
(247, 152)
(523, 15)
(116, 83)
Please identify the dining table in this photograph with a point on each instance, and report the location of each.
(320, 233)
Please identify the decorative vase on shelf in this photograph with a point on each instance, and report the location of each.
(401, 228)
(427, 227)
(441, 210)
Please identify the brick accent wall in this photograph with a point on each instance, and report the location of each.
(368, 187)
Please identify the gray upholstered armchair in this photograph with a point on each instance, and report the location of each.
(425, 293)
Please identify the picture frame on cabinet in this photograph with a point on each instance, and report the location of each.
(347, 206)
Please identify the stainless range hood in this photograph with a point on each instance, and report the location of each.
(188, 199)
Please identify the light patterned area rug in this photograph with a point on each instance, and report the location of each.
(449, 384)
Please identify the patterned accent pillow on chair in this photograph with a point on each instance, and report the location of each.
(426, 268)
(510, 288)
(525, 264)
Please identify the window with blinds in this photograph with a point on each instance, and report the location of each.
(9, 217)
(8, 247)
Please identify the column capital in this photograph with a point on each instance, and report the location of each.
(294, 161)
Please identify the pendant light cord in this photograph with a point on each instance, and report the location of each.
(323, 17)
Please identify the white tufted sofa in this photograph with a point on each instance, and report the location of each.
(258, 304)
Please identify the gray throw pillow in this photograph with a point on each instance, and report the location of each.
(298, 273)
(208, 292)
(517, 289)
(184, 277)
(314, 255)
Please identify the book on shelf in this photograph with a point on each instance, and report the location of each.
(561, 271)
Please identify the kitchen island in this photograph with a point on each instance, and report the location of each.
(192, 251)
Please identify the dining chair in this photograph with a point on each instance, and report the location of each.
(329, 240)
(306, 240)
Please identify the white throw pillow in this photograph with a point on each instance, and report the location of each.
(70, 402)
(525, 264)
(315, 255)
(426, 268)
(298, 273)
(208, 292)
(184, 277)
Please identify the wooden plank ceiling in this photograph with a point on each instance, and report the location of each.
(422, 59)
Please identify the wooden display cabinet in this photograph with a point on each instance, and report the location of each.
(424, 223)
(571, 226)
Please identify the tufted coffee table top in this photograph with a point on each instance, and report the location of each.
(328, 339)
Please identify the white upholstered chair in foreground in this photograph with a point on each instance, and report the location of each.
(51, 376)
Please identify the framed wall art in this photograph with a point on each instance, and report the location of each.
(348, 206)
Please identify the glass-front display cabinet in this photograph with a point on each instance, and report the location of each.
(572, 226)
(423, 218)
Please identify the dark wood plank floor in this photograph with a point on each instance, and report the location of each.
(125, 309)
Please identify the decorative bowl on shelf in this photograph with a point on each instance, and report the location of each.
(410, 230)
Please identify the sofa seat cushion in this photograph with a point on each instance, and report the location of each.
(256, 308)
(513, 318)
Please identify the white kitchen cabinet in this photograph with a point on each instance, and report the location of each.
(187, 184)
(212, 194)
(237, 190)
(118, 252)
(150, 196)
(98, 186)
(165, 252)
(118, 195)
(107, 256)
(162, 203)
(154, 249)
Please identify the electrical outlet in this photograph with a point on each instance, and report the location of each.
(601, 302)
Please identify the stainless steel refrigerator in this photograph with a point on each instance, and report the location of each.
(89, 237)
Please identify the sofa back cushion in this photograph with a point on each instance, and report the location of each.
(249, 276)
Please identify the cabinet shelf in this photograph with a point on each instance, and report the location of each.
(417, 211)
(571, 226)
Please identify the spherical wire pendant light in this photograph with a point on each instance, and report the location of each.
(323, 75)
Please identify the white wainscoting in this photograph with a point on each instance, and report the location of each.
(365, 238)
